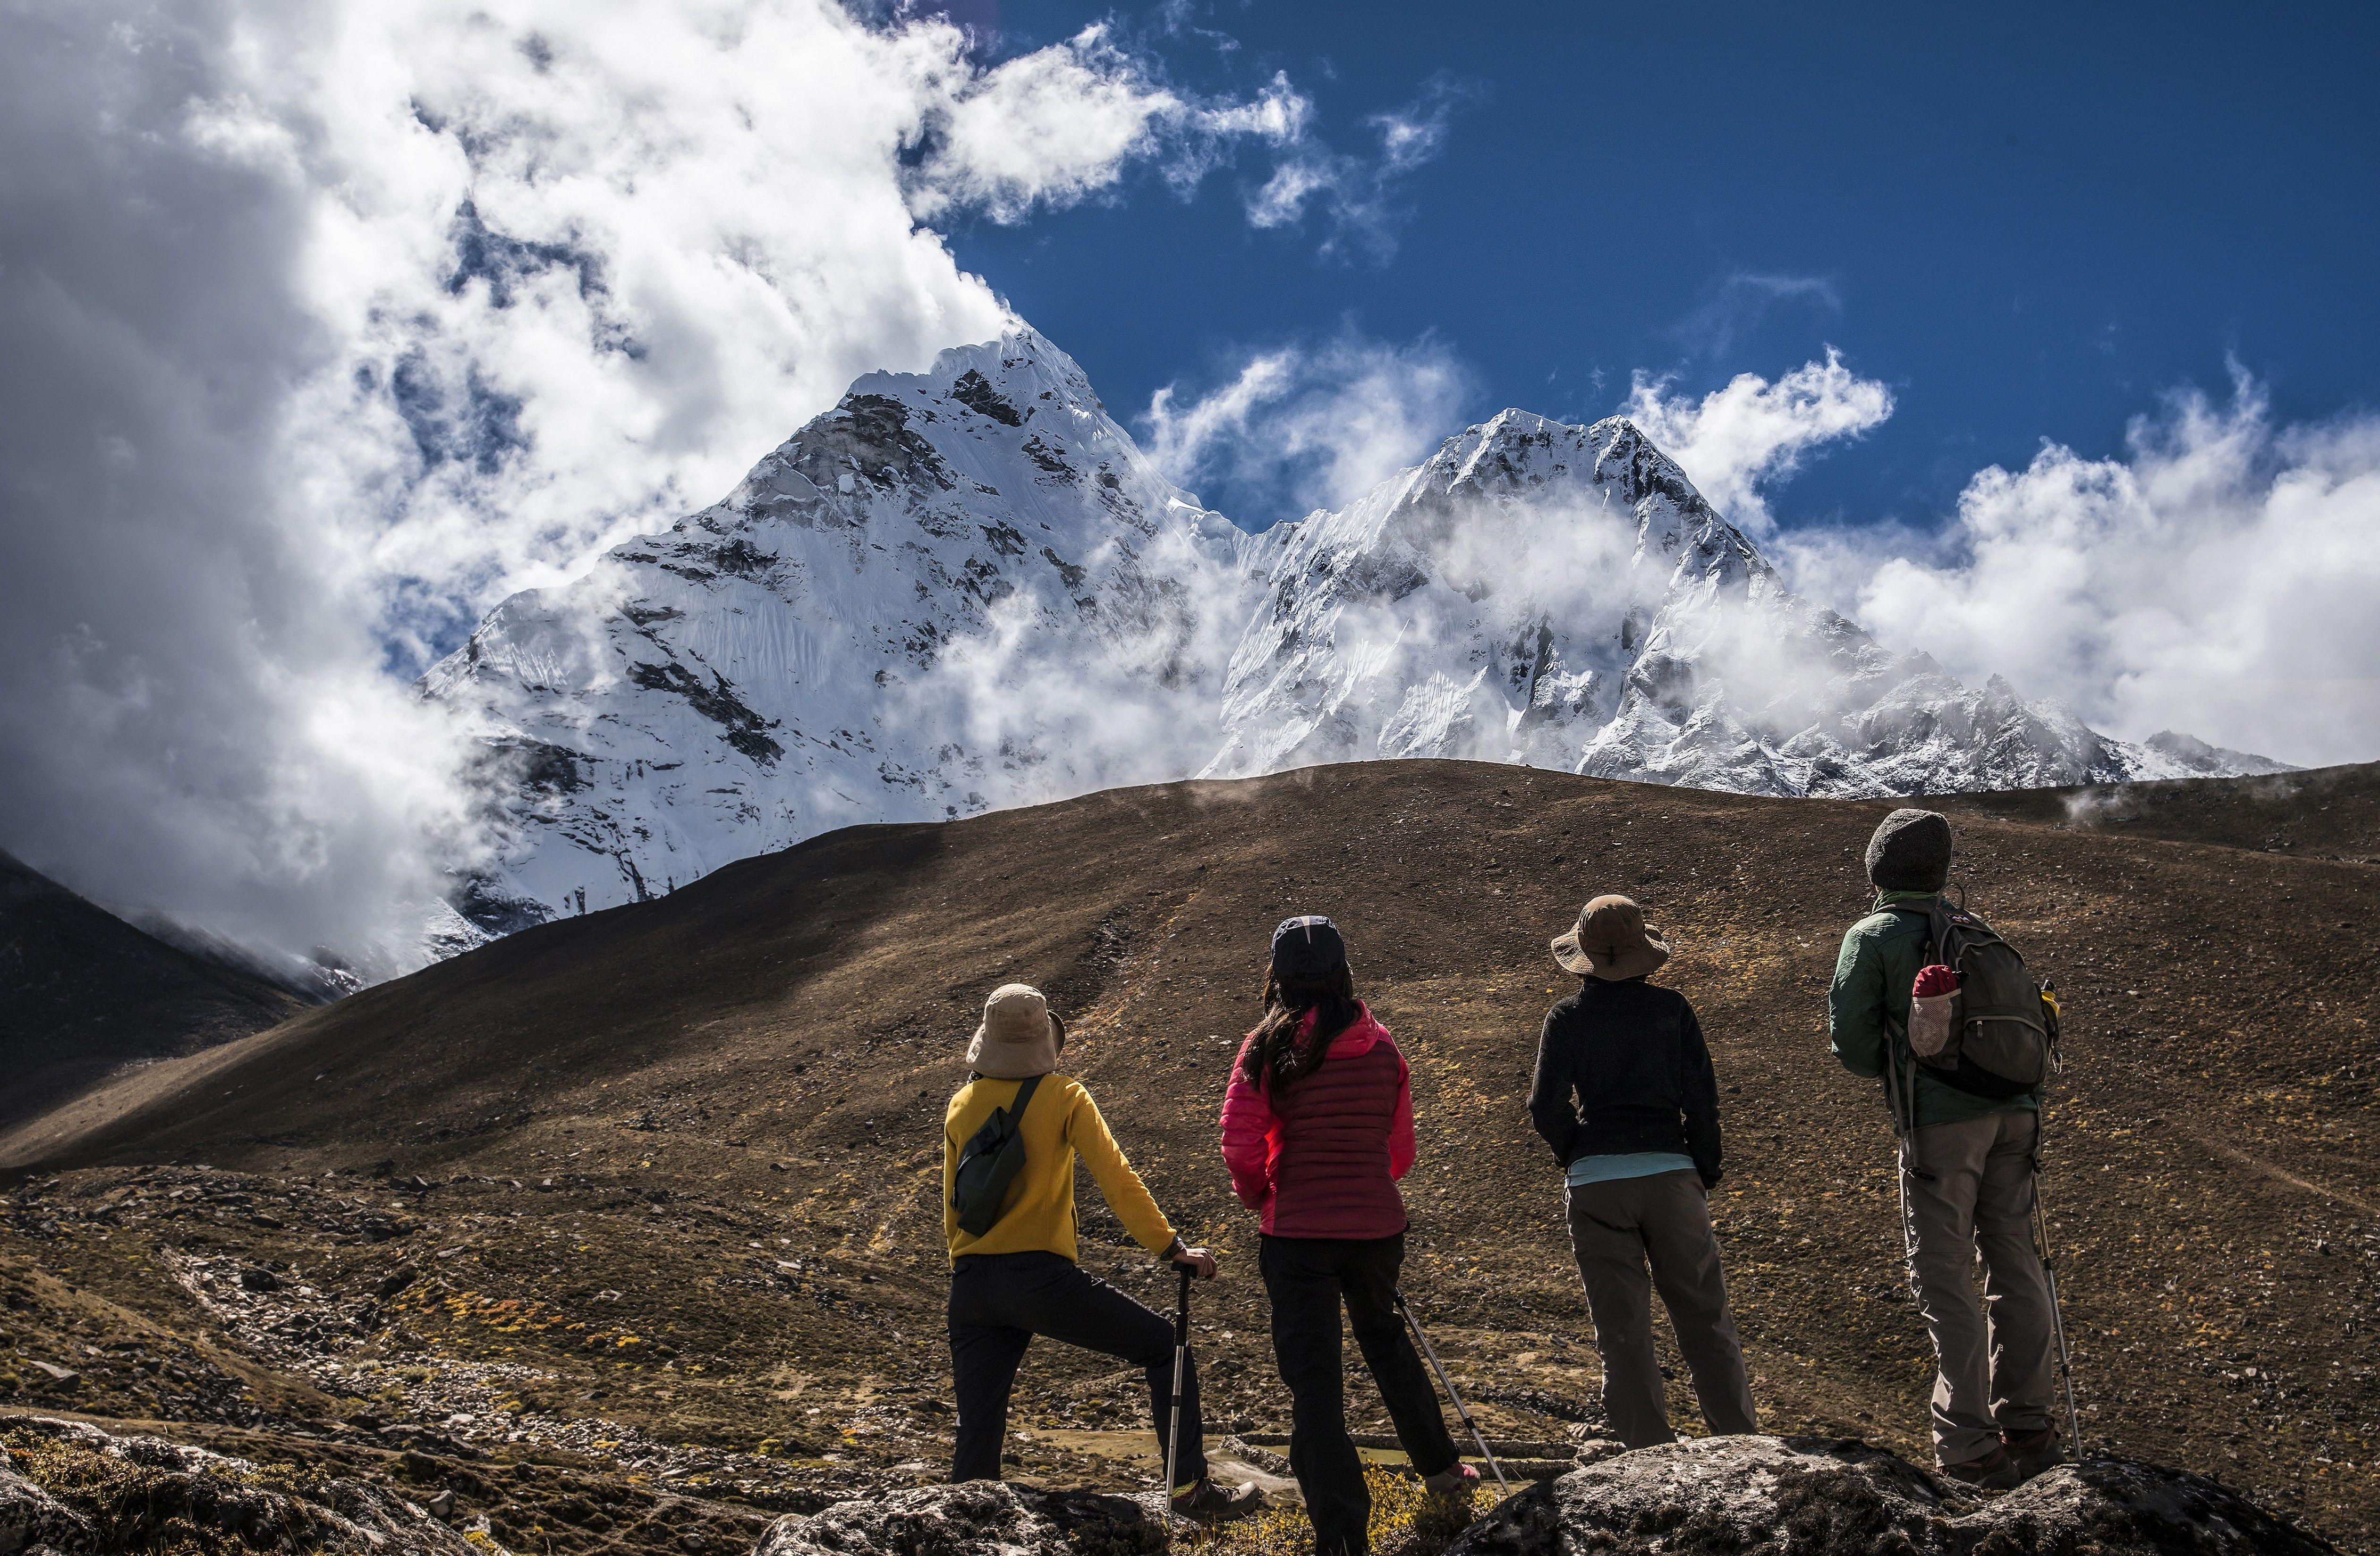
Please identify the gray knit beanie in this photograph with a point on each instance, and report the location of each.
(1910, 851)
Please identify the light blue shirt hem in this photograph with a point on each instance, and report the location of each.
(1632, 1163)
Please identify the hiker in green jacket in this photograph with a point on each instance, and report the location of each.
(1967, 1169)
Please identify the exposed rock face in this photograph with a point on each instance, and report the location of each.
(979, 1518)
(1765, 1496)
(117, 1493)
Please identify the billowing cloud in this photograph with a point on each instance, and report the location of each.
(322, 328)
(1061, 123)
(1308, 425)
(1752, 433)
(2217, 579)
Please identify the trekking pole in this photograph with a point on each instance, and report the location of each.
(1459, 1408)
(2057, 1311)
(1181, 1365)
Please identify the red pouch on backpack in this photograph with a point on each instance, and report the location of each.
(1931, 1002)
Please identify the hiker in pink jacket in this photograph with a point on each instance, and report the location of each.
(1317, 1127)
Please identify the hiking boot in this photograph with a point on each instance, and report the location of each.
(1209, 1502)
(1993, 1472)
(2034, 1451)
(1456, 1476)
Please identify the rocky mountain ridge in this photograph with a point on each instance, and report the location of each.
(969, 588)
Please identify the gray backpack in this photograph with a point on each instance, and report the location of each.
(2003, 1031)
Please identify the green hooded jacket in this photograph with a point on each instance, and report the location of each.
(1879, 962)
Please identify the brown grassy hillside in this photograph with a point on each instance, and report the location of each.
(83, 993)
(677, 1163)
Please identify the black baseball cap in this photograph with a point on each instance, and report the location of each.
(1307, 947)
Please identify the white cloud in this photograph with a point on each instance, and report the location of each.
(322, 328)
(1740, 302)
(1306, 426)
(1061, 123)
(1752, 432)
(2218, 579)
(1356, 195)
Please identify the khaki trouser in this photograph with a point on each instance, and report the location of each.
(1617, 1230)
(1967, 1192)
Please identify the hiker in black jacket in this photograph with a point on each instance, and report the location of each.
(1625, 1095)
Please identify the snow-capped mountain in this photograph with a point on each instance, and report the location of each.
(957, 589)
(967, 587)
(1561, 595)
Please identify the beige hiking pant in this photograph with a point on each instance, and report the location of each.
(1968, 1194)
(1618, 1230)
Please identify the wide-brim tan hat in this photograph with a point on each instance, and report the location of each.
(1610, 941)
(1019, 1038)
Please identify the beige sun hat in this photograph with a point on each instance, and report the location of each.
(1020, 1037)
(1611, 942)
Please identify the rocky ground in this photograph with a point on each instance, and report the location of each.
(1763, 1496)
(624, 1232)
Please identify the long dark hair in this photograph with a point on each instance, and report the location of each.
(1331, 999)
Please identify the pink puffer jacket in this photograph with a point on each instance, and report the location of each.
(1320, 1157)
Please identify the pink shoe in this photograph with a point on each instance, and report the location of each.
(1457, 1477)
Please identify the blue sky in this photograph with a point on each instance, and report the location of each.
(2029, 221)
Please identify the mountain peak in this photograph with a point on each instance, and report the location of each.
(1004, 377)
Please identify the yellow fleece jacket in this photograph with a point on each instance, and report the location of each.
(1038, 1213)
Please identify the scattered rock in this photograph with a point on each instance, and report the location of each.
(979, 1518)
(396, 1280)
(64, 1376)
(1767, 1496)
(257, 1278)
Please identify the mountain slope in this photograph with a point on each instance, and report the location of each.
(969, 588)
(83, 993)
(708, 1126)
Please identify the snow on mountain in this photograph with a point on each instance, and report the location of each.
(969, 588)
(2196, 758)
(1561, 595)
(957, 589)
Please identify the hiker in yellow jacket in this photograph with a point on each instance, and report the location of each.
(1019, 1278)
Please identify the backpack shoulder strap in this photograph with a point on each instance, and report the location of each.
(1024, 1100)
(1935, 917)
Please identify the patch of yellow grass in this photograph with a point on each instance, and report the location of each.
(1407, 1520)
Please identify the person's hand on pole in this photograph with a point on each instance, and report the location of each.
(1198, 1261)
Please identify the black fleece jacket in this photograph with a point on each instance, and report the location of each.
(1621, 1067)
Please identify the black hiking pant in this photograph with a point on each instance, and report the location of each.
(1307, 1278)
(1000, 1301)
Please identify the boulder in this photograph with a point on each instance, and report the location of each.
(72, 1489)
(977, 1518)
(32, 1519)
(1767, 1496)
